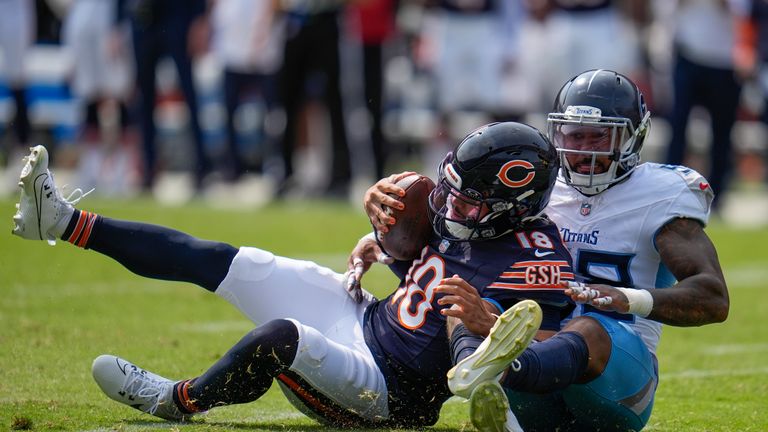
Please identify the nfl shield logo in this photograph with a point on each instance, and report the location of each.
(586, 209)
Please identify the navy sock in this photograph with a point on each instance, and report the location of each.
(245, 372)
(463, 343)
(152, 251)
(551, 365)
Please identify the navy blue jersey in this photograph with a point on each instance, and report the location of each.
(406, 331)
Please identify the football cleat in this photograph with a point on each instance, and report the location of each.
(489, 409)
(131, 385)
(42, 213)
(509, 336)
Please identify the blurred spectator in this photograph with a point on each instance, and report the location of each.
(751, 52)
(372, 23)
(101, 79)
(469, 43)
(248, 39)
(311, 64)
(166, 27)
(17, 32)
(704, 76)
(48, 20)
(584, 35)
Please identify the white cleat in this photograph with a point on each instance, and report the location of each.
(508, 338)
(489, 409)
(41, 213)
(131, 385)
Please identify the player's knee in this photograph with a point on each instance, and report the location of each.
(279, 338)
(598, 343)
(252, 264)
(283, 329)
(278, 327)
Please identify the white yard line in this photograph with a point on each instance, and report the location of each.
(208, 327)
(730, 349)
(708, 373)
(752, 275)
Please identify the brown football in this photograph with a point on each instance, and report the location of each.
(412, 227)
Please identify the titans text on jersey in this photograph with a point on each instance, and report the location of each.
(579, 237)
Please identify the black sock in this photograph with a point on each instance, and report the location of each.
(245, 372)
(551, 365)
(152, 251)
(463, 343)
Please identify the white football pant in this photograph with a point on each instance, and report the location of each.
(332, 355)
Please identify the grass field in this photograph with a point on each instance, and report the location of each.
(60, 307)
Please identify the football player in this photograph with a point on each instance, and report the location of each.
(17, 36)
(635, 232)
(361, 362)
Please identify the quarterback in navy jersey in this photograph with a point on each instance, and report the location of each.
(491, 234)
(339, 355)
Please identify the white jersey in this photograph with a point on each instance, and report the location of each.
(17, 33)
(248, 36)
(612, 235)
(87, 34)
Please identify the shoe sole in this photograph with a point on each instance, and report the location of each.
(28, 182)
(508, 338)
(35, 155)
(488, 407)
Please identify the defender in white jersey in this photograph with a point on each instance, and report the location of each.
(612, 235)
(635, 232)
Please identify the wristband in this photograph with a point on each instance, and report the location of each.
(495, 303)
(640, 301)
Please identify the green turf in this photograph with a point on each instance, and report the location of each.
(60, 307)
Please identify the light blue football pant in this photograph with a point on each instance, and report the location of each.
(620, 399)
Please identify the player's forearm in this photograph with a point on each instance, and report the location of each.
(701, 296)
(694, 301)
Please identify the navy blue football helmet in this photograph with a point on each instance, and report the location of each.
(500, 176)
(598, 124)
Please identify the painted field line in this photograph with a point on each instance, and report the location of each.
(207, 327)
(697, 373)
(728, 349)
(752, 275)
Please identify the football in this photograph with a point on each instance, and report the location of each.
(412, 227)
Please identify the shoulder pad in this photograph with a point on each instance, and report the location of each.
(693, 180)
(696, 183)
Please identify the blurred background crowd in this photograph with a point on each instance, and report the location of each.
(255, 100)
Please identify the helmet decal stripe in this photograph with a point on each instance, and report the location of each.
(595, 74)
(452, 176)
(503, 174)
